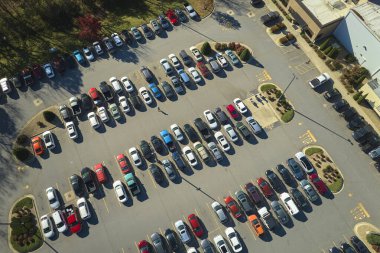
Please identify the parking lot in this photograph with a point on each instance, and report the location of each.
(116, 227)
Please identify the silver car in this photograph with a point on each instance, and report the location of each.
(309, 190)
(157, 243)
(215, 151)
(219, 211)
(244, 201)
(280, 212)
(169, 169)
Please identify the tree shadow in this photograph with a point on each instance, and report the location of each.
(226, 20)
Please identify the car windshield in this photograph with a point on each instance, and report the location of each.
(306, 162)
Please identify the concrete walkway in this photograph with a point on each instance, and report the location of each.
(368, 114)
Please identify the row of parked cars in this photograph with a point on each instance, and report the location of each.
(357, 246)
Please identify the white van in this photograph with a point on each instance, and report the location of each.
(116, 85)
(289, 203)
(84, 211)
(59, 221)
(93, 120)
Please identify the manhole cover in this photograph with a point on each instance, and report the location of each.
(250, 14)
(37, 102)
(230, 12)
(69, 196)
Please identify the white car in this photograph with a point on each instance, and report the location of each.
(305, 163)
(49, 70)
(5, 85)
(117, 40)
(88, 54)
(48, 140)
(127, 84)
(51, 194)
(116, 85)
(319, 80)
(197, 54)
(47, 226)
(84, 211)
(254, 125)
(233, 239)
(195, 74)
(93, 120)
(135, 156)
(166, 66)
(230, 132)
(120, 191)
(124, 104)
(182, 231)
(60, 221)
(222, 60)
(177, 132)
(219, 211)
(222, 141)
(103, 114)
(71, 130)
(211, 121)
(189, 154)
(240, 106)
(220, 244)
(175, 61)
(98, 48)
(192, 250)
(289, 204)
(145, 95)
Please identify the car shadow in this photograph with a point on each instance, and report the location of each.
(94, 217)
(109, 183)
(279, 230)
(301, 216)
(143, 195)
(231, 151)
(84, 232)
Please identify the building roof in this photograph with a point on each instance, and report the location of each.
(369, 13)
(327, 11)
(374, 86)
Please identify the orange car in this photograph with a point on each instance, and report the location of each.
(100, 174)
(256, 224)
(38, 147)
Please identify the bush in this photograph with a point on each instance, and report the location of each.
(278, 93)
(325, 44)
(239, 50)
(333, 53)
(290, 37)
(245, 55)
(267, 87)
(21, 153)
(284, 40)
(357, 95)
(288, 116)
(350, 58)
(289, 18)
(337, 65)
(327, 50)
(231, 45)
(217, 46)
(336, 186)
(361, 99)
(49, 116)
(321, 55)
(22, 140)
(206, 48)
(373, 238)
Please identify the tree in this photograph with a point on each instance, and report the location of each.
(206, 48)
(49, 116)
(21, 154)
(245, 55)
(89, 28)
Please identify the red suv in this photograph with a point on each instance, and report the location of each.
(123, 164)
(100, 174)
(232, 111)
(233, 207)
(264, 186)
(172, 17)
(318, 183)
(195, 225)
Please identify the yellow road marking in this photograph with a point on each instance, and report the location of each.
(364, 210)
(241, 187)
(161, 231)
(311, 135)
(137, 247)
(106, 205)
(345, 238)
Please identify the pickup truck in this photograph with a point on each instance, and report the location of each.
(190, 10)
(89, 180)
(73, 219)
(319, 80)
(267, 218)
(132, 184)
(75, 106)
(201, 151)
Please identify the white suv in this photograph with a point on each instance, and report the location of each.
(221, 244)
(289, 203)
(233, 239)
(182, 231)
(84, 211)
(60, 221)
(135, 156)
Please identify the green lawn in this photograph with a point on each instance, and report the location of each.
(311, 151)
(29, 29)
(27, 202)
(336, 186)
(267, 86)
(288, 116)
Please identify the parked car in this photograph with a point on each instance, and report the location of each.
(37, 145)
(76, 183)
(123, 101)
(340, 105)
(147, 31)
(71, 130)
(171, 237)
(331, 94)
(299, 198)
(195, 225)
(135, 156)
(158, 244)
(87, 102)
(233, 207)
(98, 48)
(88, 54)
(289, 204)
(232, 56)
(253, 193)
(156, 173)
(83, 209)
(65, 112)
(127, 36)
(185, 58)
(182, 231)
(75, 105)
(60, 221)
(285, 174)
(190, 10)
(256, 224)
(49, 70)
(232, 111)
(168, 90)
(100, 173)
(234, 240)
(305, 163)
(103, 114)
(243, 201)
(210, 119)
(95, 96)
(78, 57)
(295, 168)
(195, 75)
(219, 211)
(231, 133)
(215, 67)
(197, 54)
(156, 26)
(358, 245)
(145, 95)
(221, 60)
(146, 150)
(172, 17)
(189, 130)
(177, 158)
(47, 226)
(221, 116)
(274, 180)
(164, 22)
(240, 106)
(143, 247)
(38, 72)
(136, 33)
(128, 86)
(155, 90)
(215, 151)
(52, 197)
(190, 156)
(108, 44)
(116, 38)
(166, 66)
(124, 165)
(120, 192)
(318, 183)
(254, 125)
(269, 17)
(146, 74)
(177, 132)
(347, 248)
(157, 144)
(309, 190)
(47, 136)
(202, 128)
(279, 210)
(114, 109)
(265, 187)
(319, 80)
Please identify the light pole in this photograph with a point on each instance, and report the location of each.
(291, 81)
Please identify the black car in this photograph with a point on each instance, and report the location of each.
(340, 105)
(347, 248)
(177, 84)
(358, 245)
(156, 173)
(271, 16)
(77, 185)
(167, 88)
(368, 147)
(181, 15)
(299, 198)
(87, 102)
(189, 130)
(285, 174)
(128, 38)
(16, 81)
(362, 134)
(243, 130)
(177, 158)
(256, 2)
(157, 143)
(172, 239)
(202, 128)
(147, 31)
(373, 140)
(185, 58)
(136, 102)
(331, 94)
(146, 149)
(335, 250)
(221, 116)
(356, 122)
(349, 114)
(274, 180)
(106, 90)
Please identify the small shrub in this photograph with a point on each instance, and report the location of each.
(267, 87)
(357, 95)
(22, 140)
(287, 116)
(350, 58)
(373, 238)
(245, 55)
(274, 28)
(49, 116)
(361, 99)
(315, 46)
(239, 50)
(327, 50)
(321, 55)
(237, 45)
(278, 93)
(289, 18)
(231, 45)
(333, 53)
(284, 40)
(337, 65)
(325, 44)
(21, 153)
(290, 37)
(331, 67)
(206, 48)
(224, 46)
(217, 46)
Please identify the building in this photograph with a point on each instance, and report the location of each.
(318, 18)
(359, 33)
(372, 88)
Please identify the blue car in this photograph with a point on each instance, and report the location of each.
(167, 140)
(79, 57)
(155, 90)
(184, 77)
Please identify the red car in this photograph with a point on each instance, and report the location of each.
(318, 183)
(195, 225)
(232, 111)
(100, 174)
(123, 164)
(38, 72)
(73, 219)
(95, 95)
(38, 147)
(172, 17)
(143, 246)
(233, 207)
(265, 187)
(203, 69)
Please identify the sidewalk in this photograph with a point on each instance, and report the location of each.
(361, 230)
(368, 114)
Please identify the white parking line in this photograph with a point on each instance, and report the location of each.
(250, 229)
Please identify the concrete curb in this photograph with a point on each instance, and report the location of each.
(369, 227)
(336, 166)
(211, 12)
